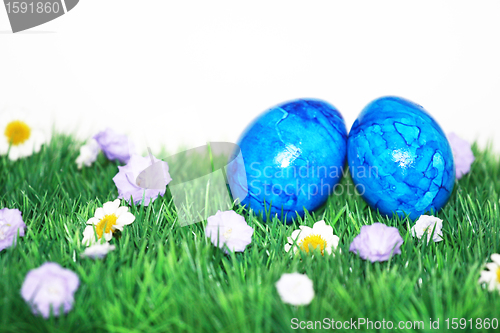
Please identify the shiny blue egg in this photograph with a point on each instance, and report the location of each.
(400, 159)
(293, 155)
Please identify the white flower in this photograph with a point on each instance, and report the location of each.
(230, 229)
(319, 236)
(426, 225)
(295, 289)
(107, 220)
(492, 275)
(98, 251)
(19, 135)
(88, 153)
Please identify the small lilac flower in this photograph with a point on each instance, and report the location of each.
(48, 286)
(428, 225)
(295, 289)
(10, 222)
(115, 146)
(142, 177)
(88, 153)
(229, 229)
(462, 154)
(98, 251)
(377, 242)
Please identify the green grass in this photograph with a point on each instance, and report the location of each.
(166, 278)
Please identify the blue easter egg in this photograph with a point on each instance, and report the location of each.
(293, 155)
(400, 159)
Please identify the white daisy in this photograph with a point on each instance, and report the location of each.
(295, 289)
(88, 153)
(19, 135)
(107, 220)
(320, 236)
(430, 226)
(492, 275)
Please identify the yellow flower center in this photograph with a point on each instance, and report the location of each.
(17, 132)
(498, 274)
(313, 242)
(107, 222)
(227, 234)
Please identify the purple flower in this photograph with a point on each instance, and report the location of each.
(377, 242)
(10, 222)
(115, 146)
(229, 229)
(142, 177)
(462, 154)
(48, 286)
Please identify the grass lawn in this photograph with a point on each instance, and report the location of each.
(167, 278)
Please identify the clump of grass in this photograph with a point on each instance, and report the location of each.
(167, 278)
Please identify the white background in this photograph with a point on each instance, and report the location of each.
(185, 72)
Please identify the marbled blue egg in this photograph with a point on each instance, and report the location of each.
(293, 157)
(400, 159)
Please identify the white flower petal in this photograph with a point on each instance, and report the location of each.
(121, 210)
(89, 236)
(492, 285)
(14, 154)
(496, 258)
(110, 207)
(303, 234)
(125, 219)
(287, 247)
(99, 213)
(324, 230)
(486, 276)
(117, 227)
(295, 235)
(4, 144)
(333, 241)
(93, 221)
(492, 266)
(320, 227)
(319, 224)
